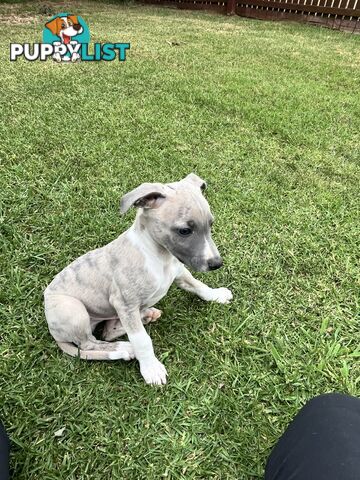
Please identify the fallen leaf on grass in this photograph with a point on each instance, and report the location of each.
(60, 432)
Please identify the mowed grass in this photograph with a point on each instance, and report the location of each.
(267, 113)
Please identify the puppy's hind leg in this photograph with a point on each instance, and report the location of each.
(114, 329)
(69, 324)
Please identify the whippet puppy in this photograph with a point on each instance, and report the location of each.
(120, 282)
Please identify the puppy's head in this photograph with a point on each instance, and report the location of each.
(178, 217)
(65, 27)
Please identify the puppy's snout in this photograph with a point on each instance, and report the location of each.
(215, 263)
(77, 26)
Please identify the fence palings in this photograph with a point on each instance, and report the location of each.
(337, 14)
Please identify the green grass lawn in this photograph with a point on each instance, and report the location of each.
(267, 113)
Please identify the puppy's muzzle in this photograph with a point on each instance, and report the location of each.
(215, 263)
(77, 26)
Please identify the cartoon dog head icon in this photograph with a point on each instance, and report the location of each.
(65, 27)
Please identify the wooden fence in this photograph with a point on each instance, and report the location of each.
(337, 14)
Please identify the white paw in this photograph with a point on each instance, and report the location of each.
(150, 315)
(57, 57)
(221, 295)
(75, 56)
(153, 371)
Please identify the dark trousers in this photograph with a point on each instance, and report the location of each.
(4, 454)
(321, 443)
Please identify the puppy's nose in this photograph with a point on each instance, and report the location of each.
(215, 263)
(77, 26)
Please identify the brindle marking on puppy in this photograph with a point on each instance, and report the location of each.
(120, 282)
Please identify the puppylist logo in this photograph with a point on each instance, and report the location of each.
(66, 38)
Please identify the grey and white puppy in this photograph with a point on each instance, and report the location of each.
(121, 281)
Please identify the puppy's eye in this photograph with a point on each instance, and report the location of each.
(185, 232)
(63, 25)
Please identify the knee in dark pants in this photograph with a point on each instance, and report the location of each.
(321, 443)
(4, 453)
(329, 400)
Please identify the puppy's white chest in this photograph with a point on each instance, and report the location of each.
(159, 270)
(163, 275)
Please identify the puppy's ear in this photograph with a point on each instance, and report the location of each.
(74, 19)
(195, 180)
(147, 195)
(53, 25)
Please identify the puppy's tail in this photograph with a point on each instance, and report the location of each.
(98, 354)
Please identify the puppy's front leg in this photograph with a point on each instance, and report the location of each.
(151, 369)
(187, 282)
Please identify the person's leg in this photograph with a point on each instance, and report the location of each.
(4, 454)
(321, 443)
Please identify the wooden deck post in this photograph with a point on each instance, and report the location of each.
(230, 7)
